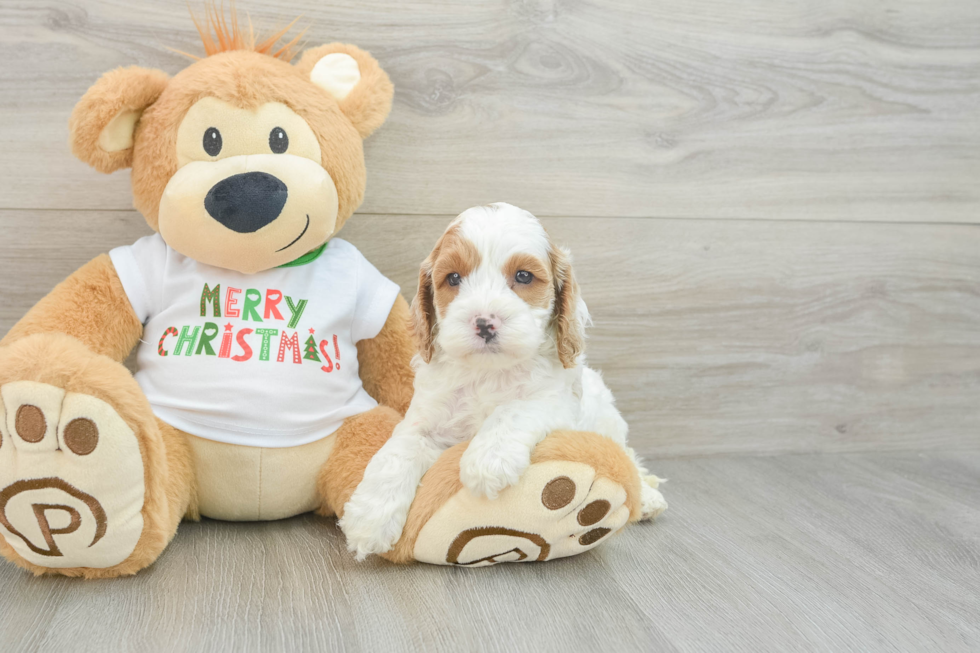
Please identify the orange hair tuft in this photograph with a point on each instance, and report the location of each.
(221, 34)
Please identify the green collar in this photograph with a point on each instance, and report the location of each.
(309, 257)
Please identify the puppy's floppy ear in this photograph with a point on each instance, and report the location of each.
(568, 324)
(424, 311)
(354, 78)
(103, 122)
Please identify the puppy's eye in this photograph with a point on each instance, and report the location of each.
(523, 276)
(212, 141)
(454, 279)
(278, 141)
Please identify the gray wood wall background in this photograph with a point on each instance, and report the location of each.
(773, 206)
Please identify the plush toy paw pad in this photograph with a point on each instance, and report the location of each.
(557, 509)
(71, 478)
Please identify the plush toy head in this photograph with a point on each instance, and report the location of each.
(242, 160)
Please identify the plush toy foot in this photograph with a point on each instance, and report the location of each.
(579, 490)
(73, 497)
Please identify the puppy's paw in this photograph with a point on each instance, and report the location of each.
(370, 528)
(486, 470)
(652, 502)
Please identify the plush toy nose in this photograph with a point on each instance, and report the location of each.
(246, 202)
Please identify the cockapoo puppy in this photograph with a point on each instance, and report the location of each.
(500, 327)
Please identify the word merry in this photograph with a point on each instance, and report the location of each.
(198, 341)
(252, 301)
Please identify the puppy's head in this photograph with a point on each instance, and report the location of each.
(495, 292)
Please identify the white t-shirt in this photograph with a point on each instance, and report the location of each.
(266, 359)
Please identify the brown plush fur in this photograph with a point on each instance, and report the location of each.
(90, 306)
(357, 440)
(368, 103)
(246, 80)
(64, 362)
(182, 477)
(122, 89)
(385, 361)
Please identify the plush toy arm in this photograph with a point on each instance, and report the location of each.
(91, 306)
(385, 361)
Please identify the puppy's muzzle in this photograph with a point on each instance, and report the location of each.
(246, 202)
(486, 328)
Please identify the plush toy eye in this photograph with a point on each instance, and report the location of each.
(454, 279)
(212, 141)
(523, 276)
(278, 141)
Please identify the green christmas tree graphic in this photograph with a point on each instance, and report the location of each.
(311, 354)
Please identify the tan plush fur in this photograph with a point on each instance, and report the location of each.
(369, 103)
(247, 80)
(122, 89)
(90, 306)
(385, 360)
(64, 362)
(357, 441)
(452, 253)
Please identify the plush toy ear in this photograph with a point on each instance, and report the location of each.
(102, 124)
(569, 322)
(353, 78)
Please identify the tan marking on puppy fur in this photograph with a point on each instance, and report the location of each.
(569, 332)
(540, 292)
(423, 313)
(452, 253)
(456, 254)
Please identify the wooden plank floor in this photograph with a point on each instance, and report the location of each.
(860, 552)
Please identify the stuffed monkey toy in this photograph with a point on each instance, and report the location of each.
(273, 359)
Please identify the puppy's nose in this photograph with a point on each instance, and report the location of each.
(246, 202)
(486, 327)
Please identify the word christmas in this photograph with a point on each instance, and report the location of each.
(197, 340)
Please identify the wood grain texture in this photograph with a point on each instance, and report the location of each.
(863, 552)
(715, 336)
(793, 109)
